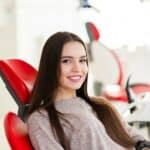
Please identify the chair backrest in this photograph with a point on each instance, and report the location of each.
(19, 77)
(16, 132)
(105, 63)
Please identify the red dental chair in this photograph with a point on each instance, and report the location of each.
(16, 132)
(110, 70)
(19, 77)
(106, 65)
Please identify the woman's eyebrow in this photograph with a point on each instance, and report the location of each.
(66, 57)
(83, 56)
(73, 57)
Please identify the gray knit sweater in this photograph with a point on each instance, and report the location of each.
(86, 132)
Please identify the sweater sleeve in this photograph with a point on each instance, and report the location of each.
(133, 132)
(40, 133)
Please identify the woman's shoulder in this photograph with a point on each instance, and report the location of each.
(39, 114)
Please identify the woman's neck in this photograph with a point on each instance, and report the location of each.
(63, 95)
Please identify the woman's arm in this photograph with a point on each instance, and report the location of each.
(40, 133)
(134, 133)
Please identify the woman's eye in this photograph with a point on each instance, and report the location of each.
(83, 60)
(66, 61)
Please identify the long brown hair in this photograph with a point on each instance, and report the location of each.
(46, 84)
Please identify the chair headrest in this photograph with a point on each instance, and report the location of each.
(19, 77)
(92, 31)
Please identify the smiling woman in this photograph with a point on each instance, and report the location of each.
(62, 116)
(73, 70)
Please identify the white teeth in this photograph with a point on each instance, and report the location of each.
(75, 77)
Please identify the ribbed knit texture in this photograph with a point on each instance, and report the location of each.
(85, 131)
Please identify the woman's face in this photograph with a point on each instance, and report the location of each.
(73, 67)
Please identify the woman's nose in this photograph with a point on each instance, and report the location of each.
(76, 66)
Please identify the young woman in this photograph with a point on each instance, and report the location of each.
(62, 116)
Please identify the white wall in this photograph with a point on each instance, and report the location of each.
(8, 30)
(37, 20)
(8, 49)
(136, 63)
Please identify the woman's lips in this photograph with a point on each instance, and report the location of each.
(75, 78)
